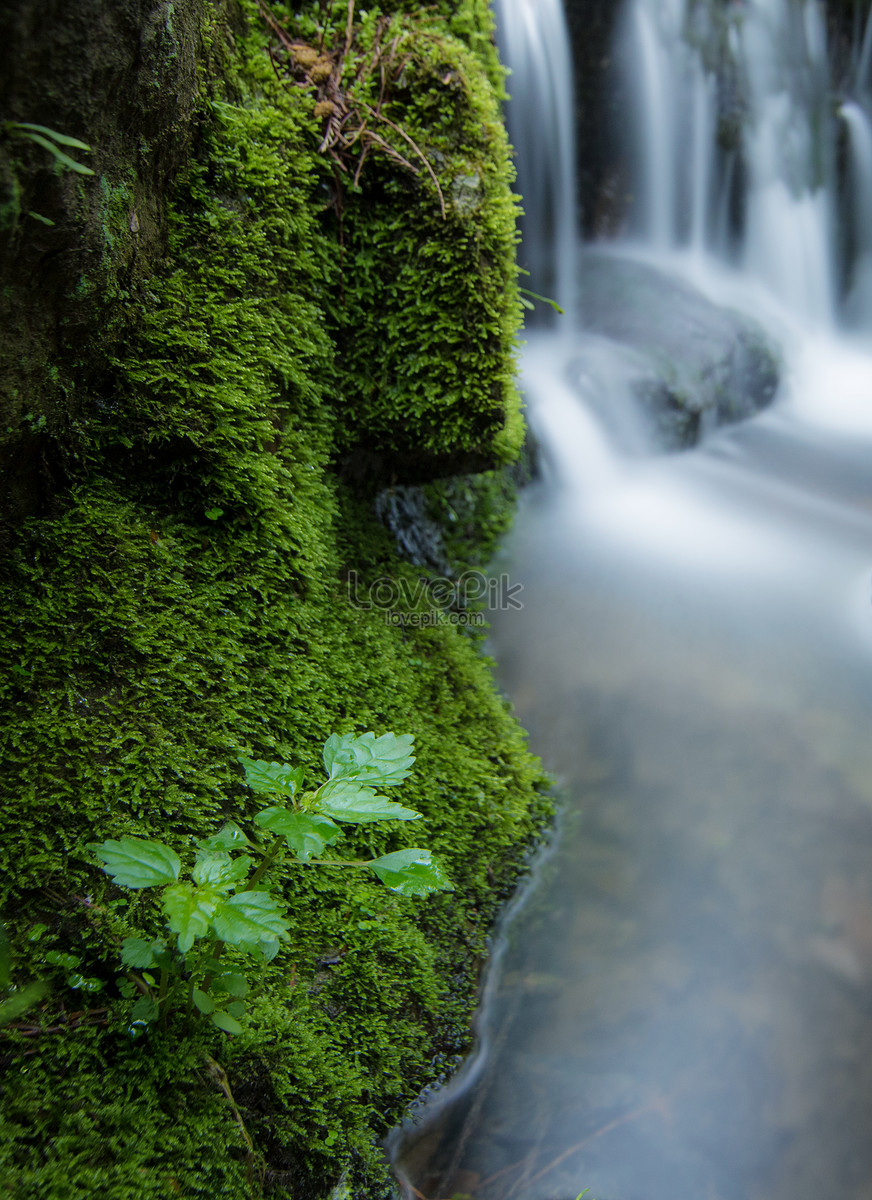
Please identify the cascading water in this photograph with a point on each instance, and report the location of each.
(769, 105)
(683, 1010)
(532, 37)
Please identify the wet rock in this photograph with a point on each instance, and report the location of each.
(603, 181)
(466, 194)
(699, 365)
(405, 512)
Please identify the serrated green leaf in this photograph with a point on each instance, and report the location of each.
(137, 952)
(224, 1021)
(339, 757)
(267, 949)
(203, 1001)
(391, 758)
(384, 761)
(235, 985)
(346, 800)
(136, 863)
(218, 870)
(189, 911)
(145, 1009)
(230, 983)
(272, 777)
(249, 917)
(305, 833)
(228, 837)
(411, 872)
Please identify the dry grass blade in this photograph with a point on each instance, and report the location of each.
(219, 1078)
(346, 124)
(349, 28)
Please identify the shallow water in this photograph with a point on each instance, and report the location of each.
(685, 1011)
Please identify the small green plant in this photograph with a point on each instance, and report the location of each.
(227, 900)
(52, 141)
(528, 304)
(523, 294)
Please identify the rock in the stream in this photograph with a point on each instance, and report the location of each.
(698, 365)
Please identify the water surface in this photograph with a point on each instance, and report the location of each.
(686, 1009)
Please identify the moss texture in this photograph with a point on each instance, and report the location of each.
(213, 359)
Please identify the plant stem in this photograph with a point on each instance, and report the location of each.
(334, 862)
(215, 951)
(271, 858)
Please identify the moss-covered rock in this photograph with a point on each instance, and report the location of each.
(202, 391)
(445, 402)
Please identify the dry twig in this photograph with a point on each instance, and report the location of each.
(219, 1078)
(348, 121)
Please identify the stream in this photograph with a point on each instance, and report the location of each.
(681, 1007)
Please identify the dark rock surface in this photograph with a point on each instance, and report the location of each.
(602, 171)
(698, 365)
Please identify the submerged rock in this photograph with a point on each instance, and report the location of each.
(697, 365)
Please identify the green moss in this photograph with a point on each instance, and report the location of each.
(182, 598)
(430, 306)
(154, 1129)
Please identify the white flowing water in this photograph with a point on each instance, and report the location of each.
(533, 40)
(683, 1010)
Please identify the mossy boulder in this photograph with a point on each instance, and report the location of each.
(215, 357)
(696, 364)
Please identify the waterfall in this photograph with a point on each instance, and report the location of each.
(789, 145)
(694, 650)
(701, 161)
(732, 147)
(655, 127)
(711, 85)
(861, 80)
(532, 37)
